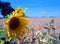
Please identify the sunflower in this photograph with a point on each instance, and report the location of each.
(16, 24)
(39, 33)
(44, 39)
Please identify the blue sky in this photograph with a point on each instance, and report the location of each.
(38, 8)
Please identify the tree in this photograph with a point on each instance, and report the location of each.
(5, 8)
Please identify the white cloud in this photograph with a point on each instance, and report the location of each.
(43, 12)
(26, 8)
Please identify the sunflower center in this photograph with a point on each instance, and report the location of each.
(14, 23)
